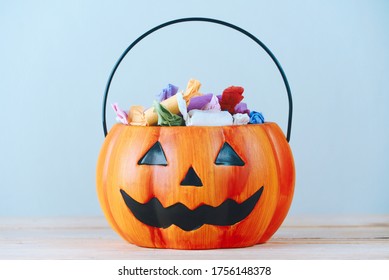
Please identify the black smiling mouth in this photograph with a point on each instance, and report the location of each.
(153, 213)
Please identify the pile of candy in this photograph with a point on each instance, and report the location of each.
(192, 108)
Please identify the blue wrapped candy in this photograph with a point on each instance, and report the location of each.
(256, 117)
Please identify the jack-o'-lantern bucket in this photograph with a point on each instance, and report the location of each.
(196, 187)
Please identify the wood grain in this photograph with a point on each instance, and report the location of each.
(300, 237)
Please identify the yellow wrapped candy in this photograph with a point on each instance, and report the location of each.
(136, 116)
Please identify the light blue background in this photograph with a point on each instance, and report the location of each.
(56, 56)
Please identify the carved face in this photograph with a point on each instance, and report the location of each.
(195, 187)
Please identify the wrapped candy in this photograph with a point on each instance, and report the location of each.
(167, 92)
(182, 106)
(213, 104)
(136, 116)
(165, 117)
(230, 98)
(256, 117)
(204, 102)
(241, 108)
(121, 116)
(198, 102)
(196, 109)
(209, 118)
(240, 119)
(170, 104)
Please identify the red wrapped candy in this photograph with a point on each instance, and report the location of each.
(230, 98)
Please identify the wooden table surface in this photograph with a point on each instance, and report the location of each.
(300, 237)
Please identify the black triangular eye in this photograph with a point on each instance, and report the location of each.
(154, 156)
(227, 156)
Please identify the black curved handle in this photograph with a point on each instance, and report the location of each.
(256, 40)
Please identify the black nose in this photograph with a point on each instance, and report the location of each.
(191, 179)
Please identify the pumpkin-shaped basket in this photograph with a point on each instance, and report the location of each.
(231, 187)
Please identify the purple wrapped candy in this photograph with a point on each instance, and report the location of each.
(241, 108)
(256, 117)
(167, 92)
(212, 105)
(198, 102)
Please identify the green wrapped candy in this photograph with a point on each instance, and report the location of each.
(165, 117)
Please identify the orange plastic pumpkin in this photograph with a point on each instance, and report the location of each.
(196, 187)
(253, 194)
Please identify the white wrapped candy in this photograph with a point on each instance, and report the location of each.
(240, 119)
(209, 118)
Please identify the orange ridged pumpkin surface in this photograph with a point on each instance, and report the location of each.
(200, 188)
